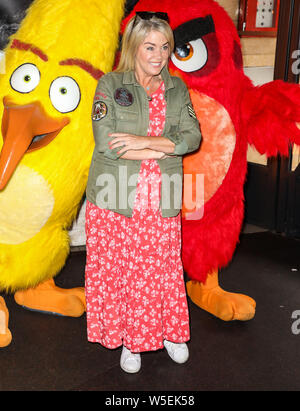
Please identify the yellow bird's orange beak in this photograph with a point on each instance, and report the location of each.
(24, 129)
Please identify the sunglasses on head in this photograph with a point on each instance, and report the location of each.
(147, 15)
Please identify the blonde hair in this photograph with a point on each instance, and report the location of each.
(135, 32)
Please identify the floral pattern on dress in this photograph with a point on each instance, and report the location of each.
(135, 290)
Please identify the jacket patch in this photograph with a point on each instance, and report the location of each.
(192, 111)
(98, 95)
(99, 110)
(123, 97)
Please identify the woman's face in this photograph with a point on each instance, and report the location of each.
(153, 54)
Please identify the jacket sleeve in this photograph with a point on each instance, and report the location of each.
(103, 118)
(188, 136)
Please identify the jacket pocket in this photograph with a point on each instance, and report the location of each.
(126, 121)
(172, 120)
(172, 127)
(124, 115)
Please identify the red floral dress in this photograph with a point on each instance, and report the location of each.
(135, 291)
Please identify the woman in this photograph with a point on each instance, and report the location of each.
(143, 123)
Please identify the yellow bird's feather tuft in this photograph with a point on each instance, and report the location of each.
(86, 29)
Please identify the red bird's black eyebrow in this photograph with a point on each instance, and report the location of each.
(193, 29)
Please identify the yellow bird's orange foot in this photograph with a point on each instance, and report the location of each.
(5, 334)
(47, 297)
(222, 304)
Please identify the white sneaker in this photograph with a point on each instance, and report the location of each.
(129, 361)
(178, 352)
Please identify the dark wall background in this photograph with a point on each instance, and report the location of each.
(11, 14)
(13, 11)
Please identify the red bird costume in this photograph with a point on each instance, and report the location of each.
(232, 113)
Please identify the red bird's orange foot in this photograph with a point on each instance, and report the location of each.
(5, 334)
(222, 304)
(47, 297)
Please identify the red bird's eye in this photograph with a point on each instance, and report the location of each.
(197, 47)
(200, 56)
(185, 52)
(191, 56)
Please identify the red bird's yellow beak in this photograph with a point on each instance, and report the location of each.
(24, 129)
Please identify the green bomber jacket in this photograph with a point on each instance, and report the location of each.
(121, 105)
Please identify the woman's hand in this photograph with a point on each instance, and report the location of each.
(132, 142)
(129, 141)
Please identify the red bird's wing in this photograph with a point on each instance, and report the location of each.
(270, 113)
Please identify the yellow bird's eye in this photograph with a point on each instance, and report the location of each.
(64, 94)
(25, 78)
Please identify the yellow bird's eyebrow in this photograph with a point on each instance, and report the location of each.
(20, 45)
(85, 65)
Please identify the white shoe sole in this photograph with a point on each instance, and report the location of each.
(179, 354)
(135, 360)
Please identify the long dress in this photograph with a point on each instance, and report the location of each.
(135, 290)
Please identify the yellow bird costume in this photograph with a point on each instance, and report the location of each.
(53, 63)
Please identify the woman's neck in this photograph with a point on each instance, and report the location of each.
(148, 82)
